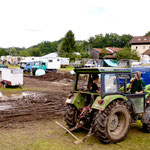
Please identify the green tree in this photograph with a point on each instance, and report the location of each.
(47, 47)
(82, 47)
(124, 40)
(104, 52)
(24, 53)
(68, 44)
(59, 49)
(13, 52)
(127, 53)
(109, 40)
(35, 52)
(148, 33)
(3, 52)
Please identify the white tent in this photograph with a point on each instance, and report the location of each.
(51, 55)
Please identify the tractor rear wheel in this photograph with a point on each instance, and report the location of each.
(113, 123)
(71, 114)
(146, 120)
(146, 127)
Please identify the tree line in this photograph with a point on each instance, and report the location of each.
(68, 46)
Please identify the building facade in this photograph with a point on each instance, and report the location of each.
(140, 44)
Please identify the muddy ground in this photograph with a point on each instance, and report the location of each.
(45, 99)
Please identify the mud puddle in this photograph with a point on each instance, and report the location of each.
(4, 106)
(9, 96)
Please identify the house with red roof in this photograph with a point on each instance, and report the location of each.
(98, 53)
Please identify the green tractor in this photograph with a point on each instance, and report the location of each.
(108, 113)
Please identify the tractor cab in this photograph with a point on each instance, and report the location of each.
(109, 81)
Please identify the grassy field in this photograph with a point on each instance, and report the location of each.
(47, 135)
(67, 69)
(11, 66)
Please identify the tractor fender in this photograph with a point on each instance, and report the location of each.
(147, 91)
(147, 87)
(107, 99)
(146, 116)
(77, 99)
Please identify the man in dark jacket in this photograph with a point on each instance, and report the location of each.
(136, 84)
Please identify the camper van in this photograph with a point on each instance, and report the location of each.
(47, 64)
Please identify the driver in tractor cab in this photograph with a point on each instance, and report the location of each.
(135, 83)
(93, 87)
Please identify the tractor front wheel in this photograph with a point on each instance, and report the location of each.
(113, 123)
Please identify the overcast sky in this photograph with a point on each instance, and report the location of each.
(24, 23)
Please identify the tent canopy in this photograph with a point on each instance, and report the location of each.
(110, 63)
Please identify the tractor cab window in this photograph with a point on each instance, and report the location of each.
(85, 82)
(110, 82)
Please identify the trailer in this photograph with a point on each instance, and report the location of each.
(12, 77)
(64, 62)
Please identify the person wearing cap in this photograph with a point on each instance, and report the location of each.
(135, 83)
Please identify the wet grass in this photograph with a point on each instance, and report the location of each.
(19, 89)
(11, 66)
(47, 135)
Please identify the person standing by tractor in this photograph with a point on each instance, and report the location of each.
(136, 83)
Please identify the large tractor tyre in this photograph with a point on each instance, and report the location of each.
(146, 127)
(112, 124)
(146, 120)
(71, 114)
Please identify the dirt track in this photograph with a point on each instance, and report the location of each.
(45, 101)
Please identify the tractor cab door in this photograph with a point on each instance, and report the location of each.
(137, 99)
(138, 102)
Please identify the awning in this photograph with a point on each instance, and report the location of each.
(110, 63)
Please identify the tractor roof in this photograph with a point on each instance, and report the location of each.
(102, 69)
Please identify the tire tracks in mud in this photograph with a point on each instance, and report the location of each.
(46, 106)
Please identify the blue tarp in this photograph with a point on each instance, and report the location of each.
(145, 73)
(110, 63)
